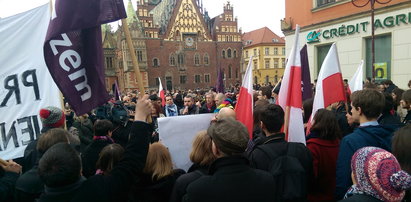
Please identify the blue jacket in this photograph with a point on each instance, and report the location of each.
(377, 136)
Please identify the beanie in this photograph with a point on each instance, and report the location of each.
(378, 174)
(52, 117)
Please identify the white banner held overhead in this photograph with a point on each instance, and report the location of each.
(25, 83)
(178, 132)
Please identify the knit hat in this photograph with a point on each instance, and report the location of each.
(52, 117)
(229, 135)
(378, 174)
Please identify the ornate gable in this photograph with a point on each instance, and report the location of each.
(187, 19)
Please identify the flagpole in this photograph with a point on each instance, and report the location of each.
(137, 73)
(286, 121)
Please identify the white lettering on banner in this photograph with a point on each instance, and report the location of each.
(74, 60)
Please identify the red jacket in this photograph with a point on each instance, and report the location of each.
(324, 153)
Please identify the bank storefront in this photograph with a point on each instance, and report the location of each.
(352, 35)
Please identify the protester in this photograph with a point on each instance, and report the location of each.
(201, 156)
(224, 113)
(189, 106)
(170, 109)
(389, 86)
(377, 176)
(230, 177)
(209, 106)
(266, 93)
(29, 185)
(156, 113)
(406, 104)
(158, 178)
(51, 117)
(222, 101)
(102, 137)
(367, 106)
(109, 156)
(83, 127)
(68, 185)
(264, 155)
(396, 96)
(323, 143)
(9, 172)
(388, 116)
(339, 108)
(401, 144)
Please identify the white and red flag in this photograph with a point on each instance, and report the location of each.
(356, 81)
(330, 86)
(161, 92)
(290, 95)
(244, 106)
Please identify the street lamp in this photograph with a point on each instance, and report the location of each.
(360, 4)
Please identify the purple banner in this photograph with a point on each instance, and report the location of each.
(220, 81)
(305, 77)
(73, 49)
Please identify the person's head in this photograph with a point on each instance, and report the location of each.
(109, 156)
(103, 128)
(409, 84)
(219, 98)
(52, 137)
(201, 152)
(272, 119)
(366, 104)
(307, 109)
(377, 173)
(158, 163)
(229, 136)
(396, 95)
(226, 112)
(52, 117)
(156, 109)
(381, 87)
(345, 82)
(389, 103)
(406, 100)
(169, 100)
(126, 99)
(387, 83)
(401, 143)
(326, 125)
(209, 97)
(60, 166)
(266, 92)
(188, 101)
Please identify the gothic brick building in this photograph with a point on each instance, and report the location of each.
(177, 41)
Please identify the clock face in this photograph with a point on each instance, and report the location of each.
(189, 41)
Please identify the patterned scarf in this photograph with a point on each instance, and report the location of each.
(171, 110)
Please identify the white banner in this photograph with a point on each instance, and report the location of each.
(25, 83)
(178, 132)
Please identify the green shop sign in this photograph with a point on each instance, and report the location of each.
(344, 30)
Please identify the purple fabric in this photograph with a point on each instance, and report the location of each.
(305, 71)
(73, 50)
(116, 91)
(220, 81)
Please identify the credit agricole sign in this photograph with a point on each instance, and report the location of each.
(350, 29)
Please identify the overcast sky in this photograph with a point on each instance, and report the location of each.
(251, 15)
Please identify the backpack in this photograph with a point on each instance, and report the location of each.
(289, 175)
(118, 113)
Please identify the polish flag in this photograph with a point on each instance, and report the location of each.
(161, 93)
(290, 95)
(244, 106)
(356, 81)
(330, 86)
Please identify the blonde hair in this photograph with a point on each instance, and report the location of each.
(202, 153)
(158, 163)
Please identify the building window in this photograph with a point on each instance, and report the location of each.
(140, 55)
(255, 64)
(183, 79)
(267, 64)
(283, 62)
(321, 53)
(197, 78)
(382, 65)
(283, 51)
(246, 54)
(109, 62)
(197, 59)
(157, 82)
(156, 62)
(207, 78)
(236, 73)
(223, 53)
(255, 80)
(229, 53)
(275, 51)
(275, 78)
(172, 60)
(255, 52)
(229, 71)
(180, 59)
(275, 62)
(267, 79)
(206, 59)
(324, 2)
(267, 51)
(235, 53)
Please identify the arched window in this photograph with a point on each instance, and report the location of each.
(172, 60)
(235, 53)
(229, 53)
(177, 35)
(267, 79)
(206, 59)
(156, 62)
(180, 59)
(197, 59)
(229, 70)
(255, 80)
(223, 53)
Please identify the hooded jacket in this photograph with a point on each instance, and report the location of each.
(377, 136)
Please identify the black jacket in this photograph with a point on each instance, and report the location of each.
(29, 186)
(232, 179)
(193, 173)
(7, 181)
(360, 198)
(90, 156)
(60, 194)
(204, 109)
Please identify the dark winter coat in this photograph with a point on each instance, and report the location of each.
(324, 154)
(60, 194)
(90, 156)
(204, 109)
(232, 179)
(29, 186)
(360, 198)
(377, 136)
(193, 173)
(7, 181)
(85, 133)
(149, 190)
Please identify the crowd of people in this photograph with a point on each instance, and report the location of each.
(355, 151)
